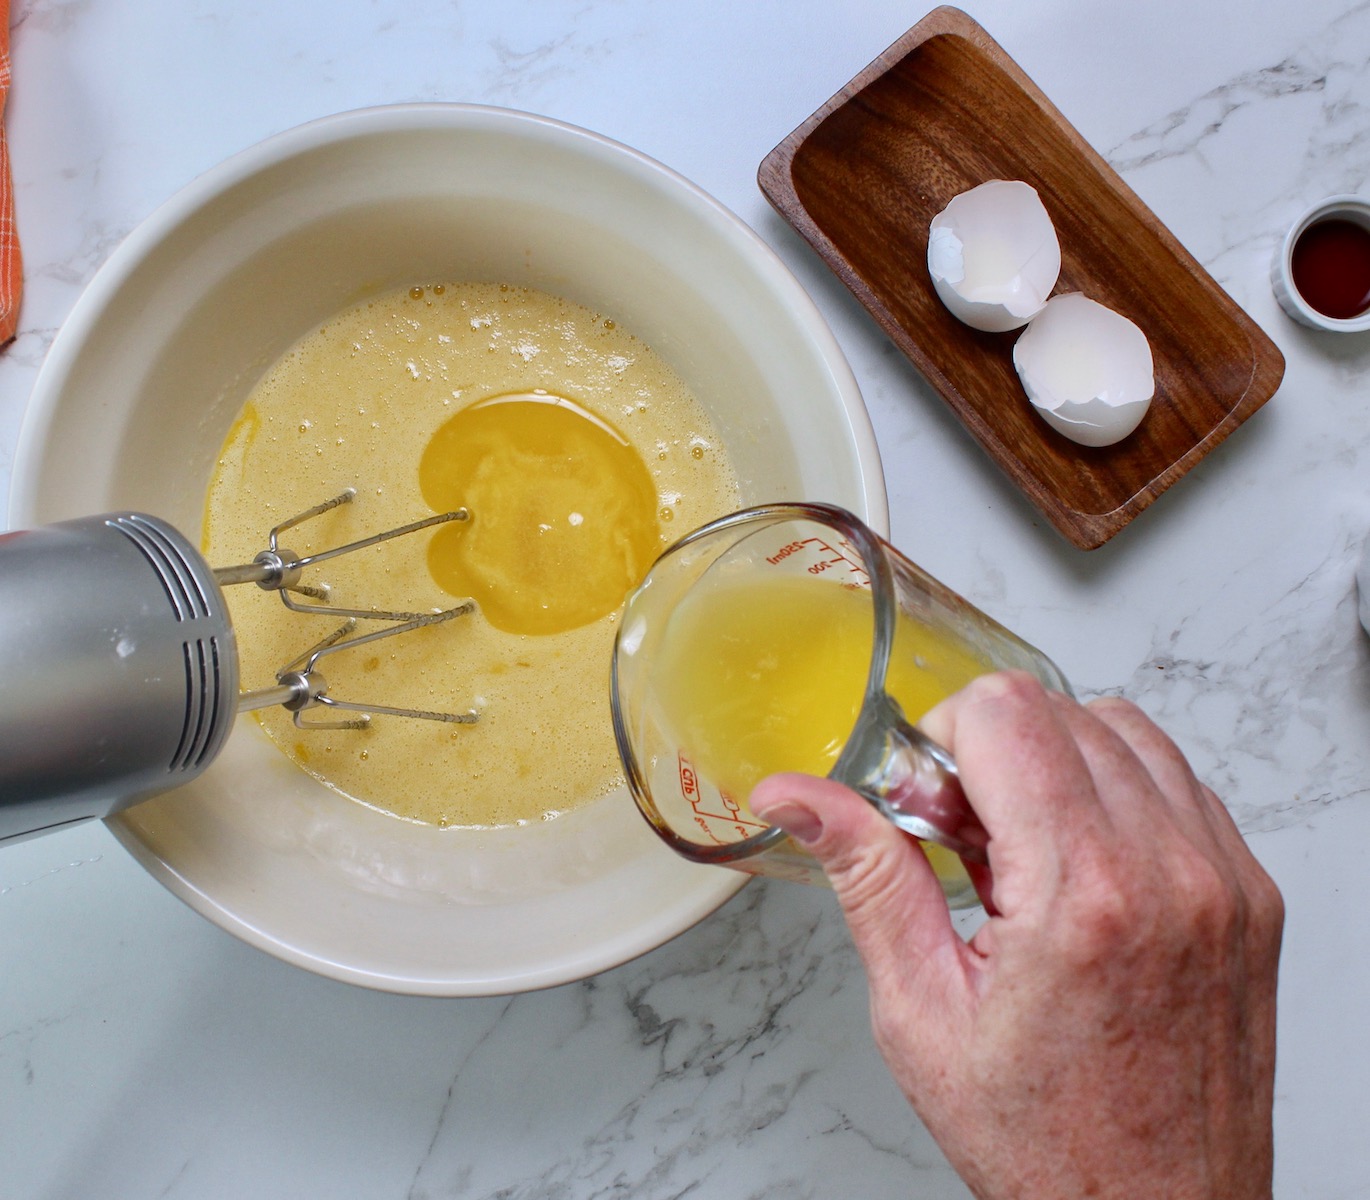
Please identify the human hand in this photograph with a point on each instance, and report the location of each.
(1110, 1030)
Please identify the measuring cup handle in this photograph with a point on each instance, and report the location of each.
(914, 782)
(932, 805)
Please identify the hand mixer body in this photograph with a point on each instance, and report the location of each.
(118, 669)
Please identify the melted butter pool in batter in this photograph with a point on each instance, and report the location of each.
(580, 454)
(564, 511)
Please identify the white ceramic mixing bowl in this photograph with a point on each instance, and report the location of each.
(155, 361)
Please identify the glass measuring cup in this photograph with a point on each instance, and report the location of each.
(792, 637)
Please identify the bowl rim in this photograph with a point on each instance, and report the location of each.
(183, 205)
(334, 128)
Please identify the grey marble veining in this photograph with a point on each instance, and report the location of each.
(750, 1074)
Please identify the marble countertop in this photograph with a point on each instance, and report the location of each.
(143, 1052)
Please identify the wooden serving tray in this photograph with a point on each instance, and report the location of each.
(945, 109)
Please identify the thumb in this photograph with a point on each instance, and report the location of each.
(888, 891)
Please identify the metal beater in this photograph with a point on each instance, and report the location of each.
(119, 666)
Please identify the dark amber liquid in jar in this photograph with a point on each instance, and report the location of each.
(1331, 267)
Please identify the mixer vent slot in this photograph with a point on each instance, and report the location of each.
(199, 733)
(178, 580)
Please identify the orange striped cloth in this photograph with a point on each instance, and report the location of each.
(11, 265)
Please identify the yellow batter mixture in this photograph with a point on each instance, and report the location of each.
(580, 455)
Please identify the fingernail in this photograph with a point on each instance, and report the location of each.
(802, 824)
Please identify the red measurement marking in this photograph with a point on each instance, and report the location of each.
(843, 556)
(784, 552)
(825, 557)
(731, 817)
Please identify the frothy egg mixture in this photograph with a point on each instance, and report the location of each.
(580, 455)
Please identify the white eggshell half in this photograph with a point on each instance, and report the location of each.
(1087, 370)
(993, 255)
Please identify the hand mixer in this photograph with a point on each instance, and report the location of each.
(119, 666)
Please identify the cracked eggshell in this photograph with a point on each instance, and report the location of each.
(994, 256)
(1087, 370)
